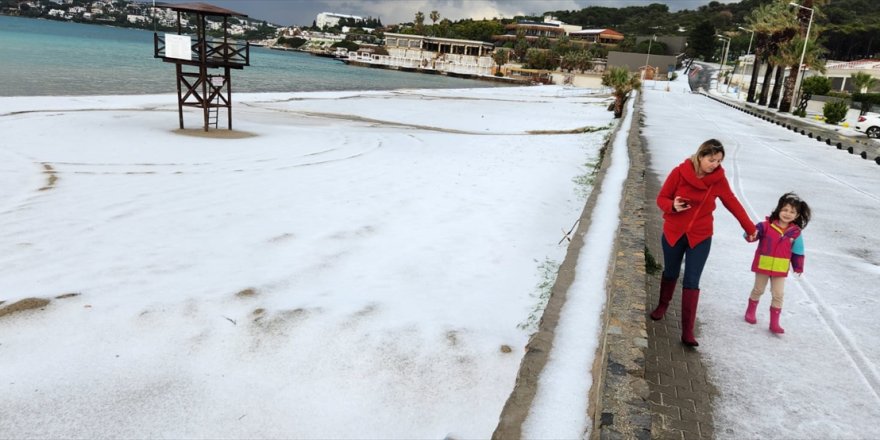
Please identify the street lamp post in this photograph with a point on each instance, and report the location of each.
(742, 74)
(723, 59)
(800, 78)
(648, 58)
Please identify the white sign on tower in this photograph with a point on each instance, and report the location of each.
(178, 46)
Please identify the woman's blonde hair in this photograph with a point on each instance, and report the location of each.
(708, 148)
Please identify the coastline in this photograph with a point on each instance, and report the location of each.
(67, 57)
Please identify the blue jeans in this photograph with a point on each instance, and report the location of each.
(695, 259)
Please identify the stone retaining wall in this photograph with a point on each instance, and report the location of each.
(618, 401)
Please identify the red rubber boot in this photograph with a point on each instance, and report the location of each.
(667, 288)
(689, 300)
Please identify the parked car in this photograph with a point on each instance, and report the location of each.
(869, 123)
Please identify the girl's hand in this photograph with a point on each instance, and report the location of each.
(752, 238)
(679, 204)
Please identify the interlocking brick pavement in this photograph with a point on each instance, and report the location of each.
(680, 392)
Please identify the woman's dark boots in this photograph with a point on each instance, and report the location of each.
(689, 300)
(667, 288)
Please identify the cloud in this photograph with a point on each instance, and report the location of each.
(394, 11)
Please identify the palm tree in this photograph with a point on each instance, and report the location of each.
(434, 17)
(766, 21)
(812, 59)
(760, 44)
(788, 53)
(804, 18)
(420, 23)
(765, 88)
(623, 83)
(863, 81)
(777, 82)
(521, 45)
(779, 59)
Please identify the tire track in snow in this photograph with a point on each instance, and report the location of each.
(841, 334)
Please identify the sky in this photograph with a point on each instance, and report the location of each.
(303, 12)
(355, 265)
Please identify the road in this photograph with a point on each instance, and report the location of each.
(819, 380)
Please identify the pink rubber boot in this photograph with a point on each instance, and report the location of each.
(774, 320)
(750, 312)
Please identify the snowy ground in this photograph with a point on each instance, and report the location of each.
(356, 265)
(819, 380)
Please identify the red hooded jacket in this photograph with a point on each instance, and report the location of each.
(697, 222)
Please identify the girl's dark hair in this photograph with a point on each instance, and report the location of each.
(708, 148)
(801, 206)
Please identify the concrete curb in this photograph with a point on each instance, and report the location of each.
(867, 150)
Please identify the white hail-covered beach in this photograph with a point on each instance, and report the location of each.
(352, 264)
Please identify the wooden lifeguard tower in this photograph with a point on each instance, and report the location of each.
(195, 86)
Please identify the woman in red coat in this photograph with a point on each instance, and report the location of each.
(687, 200)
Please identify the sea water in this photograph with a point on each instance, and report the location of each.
(54, 58)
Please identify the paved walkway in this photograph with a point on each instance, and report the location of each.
(680, 392)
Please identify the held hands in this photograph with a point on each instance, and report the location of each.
(752, 238)
(680, 204)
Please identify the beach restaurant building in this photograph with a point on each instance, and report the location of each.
(441, 55)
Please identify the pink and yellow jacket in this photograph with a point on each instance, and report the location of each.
(777, 248)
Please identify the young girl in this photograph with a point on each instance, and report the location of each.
(779, 243)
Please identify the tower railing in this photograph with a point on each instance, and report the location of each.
(217, 52)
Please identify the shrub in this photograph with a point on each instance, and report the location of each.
(540, 59)
(350, 45)
(816, 85)
(292, 43)
(842, 95)
(835, 111)
(868, 100)
(672, 76)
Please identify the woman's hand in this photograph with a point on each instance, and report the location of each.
(680, 204)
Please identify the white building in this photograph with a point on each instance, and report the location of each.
(569, 28)
(330, 19)
(136, 18)
(431, 54)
